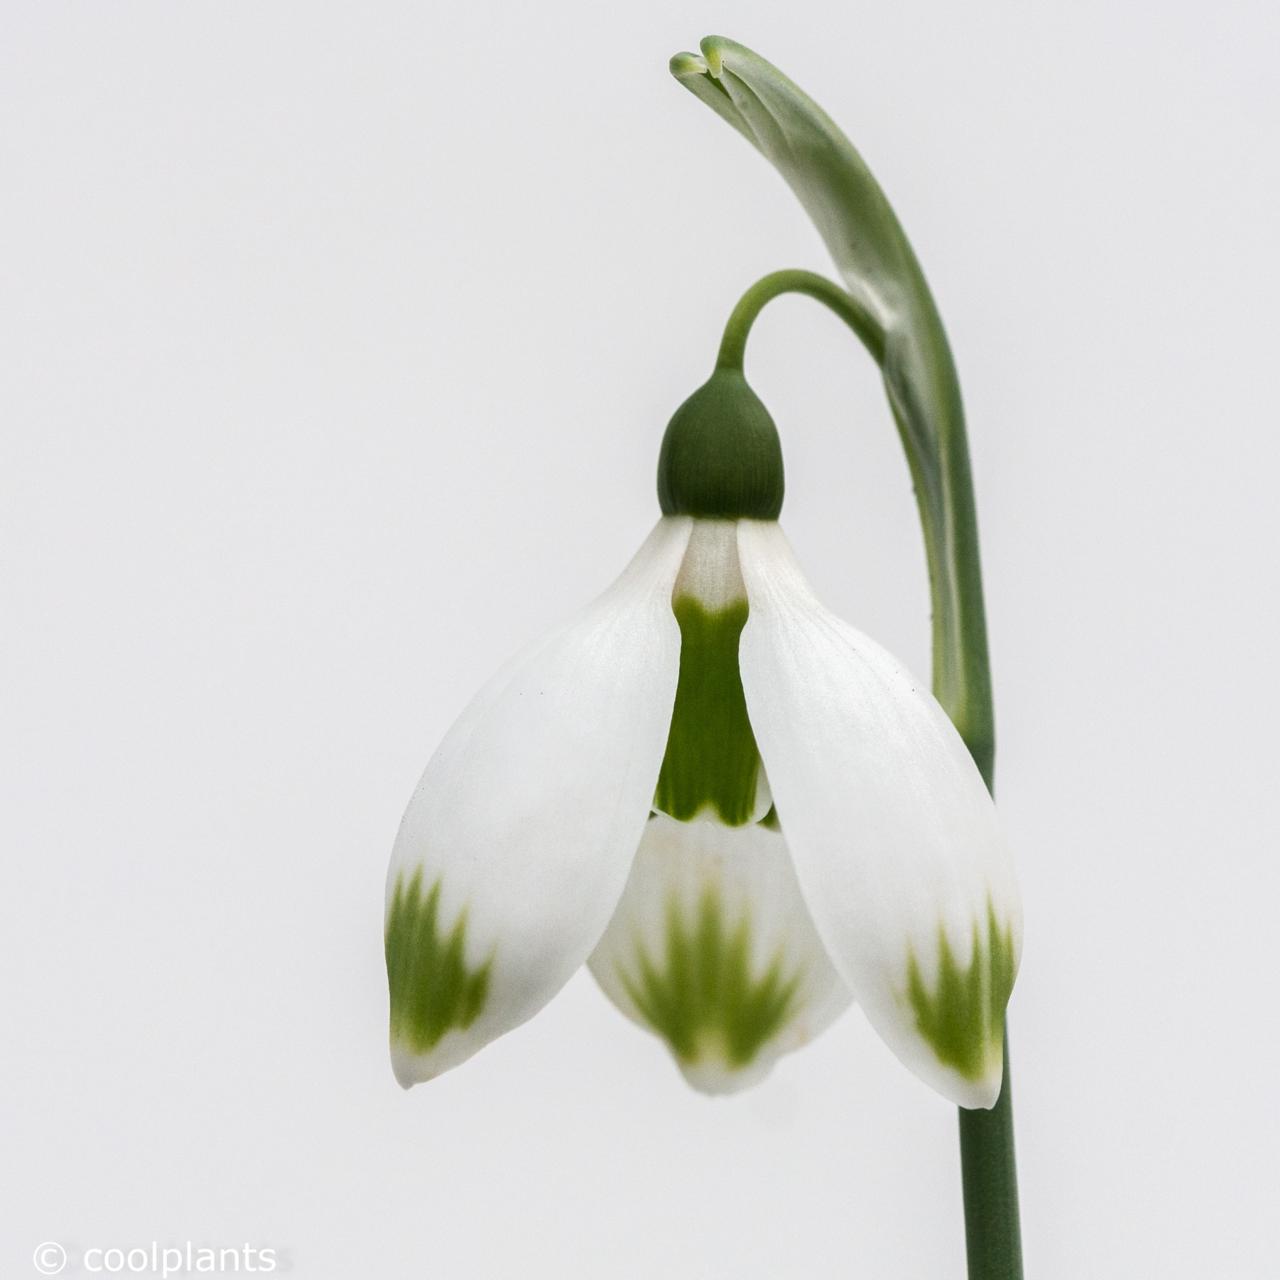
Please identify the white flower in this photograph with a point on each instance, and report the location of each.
(739, 810)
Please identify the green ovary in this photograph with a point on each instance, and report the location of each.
(712, 762)
(702, 997)
(432, 988)
(963, 1017)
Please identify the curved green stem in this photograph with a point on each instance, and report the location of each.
(733, 345)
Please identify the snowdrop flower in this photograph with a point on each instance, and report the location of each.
(741, 812)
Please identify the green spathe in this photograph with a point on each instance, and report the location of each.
(721, 457)
(432, 988)
(963, 1017)
(900, 324)
(712, 761)
(701, 996)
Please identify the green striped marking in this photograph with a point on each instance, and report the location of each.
(712, 762)
(701, 996)
(963, 1017)
(432, 988)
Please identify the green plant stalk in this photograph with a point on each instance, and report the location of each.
(962, 682)
(989, 1177)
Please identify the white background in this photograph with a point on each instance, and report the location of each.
(337, 344)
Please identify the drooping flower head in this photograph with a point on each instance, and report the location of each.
(739, 810)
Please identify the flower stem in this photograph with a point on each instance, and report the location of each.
(989, 1173)
(939, 466)
(733, 345)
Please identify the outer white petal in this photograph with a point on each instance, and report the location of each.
(528, 816)
(895, 839)
(727, 892)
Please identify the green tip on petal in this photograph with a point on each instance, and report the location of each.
(433, 990)
(962, 1018)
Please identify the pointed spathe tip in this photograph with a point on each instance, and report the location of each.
(713, 48)
(688, 66)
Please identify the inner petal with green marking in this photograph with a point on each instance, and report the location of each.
(433, 989)
(962, 1017)
(712, 765)
(713, 950)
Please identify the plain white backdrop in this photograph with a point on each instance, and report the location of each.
(337, 343)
